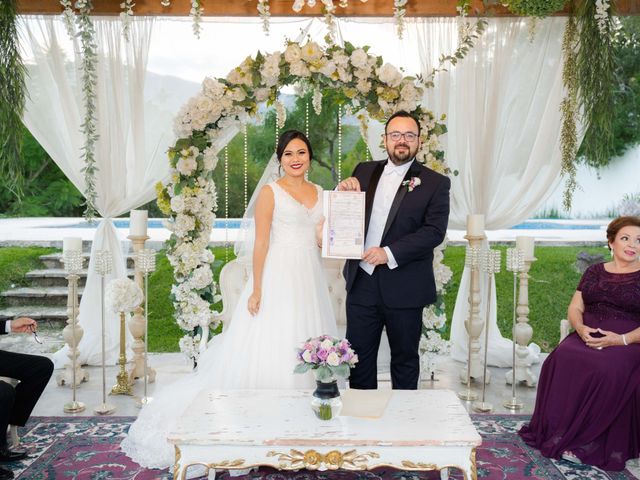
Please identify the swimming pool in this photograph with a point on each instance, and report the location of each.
(234, 223)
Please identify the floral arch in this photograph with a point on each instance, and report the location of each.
(365, 85)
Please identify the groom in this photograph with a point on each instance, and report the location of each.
(407, 211)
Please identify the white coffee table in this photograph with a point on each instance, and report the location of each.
(419, 430)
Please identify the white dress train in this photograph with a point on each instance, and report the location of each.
(252, 352)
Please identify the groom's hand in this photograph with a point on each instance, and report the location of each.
(375, 256)
(351, 184)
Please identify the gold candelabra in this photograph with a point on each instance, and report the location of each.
(122, 386)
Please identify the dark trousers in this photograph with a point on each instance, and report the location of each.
(16, 404)
(366, 317)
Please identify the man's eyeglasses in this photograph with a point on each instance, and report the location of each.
(35, 334)
(408, 136)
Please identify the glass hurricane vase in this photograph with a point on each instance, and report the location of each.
(325, 401)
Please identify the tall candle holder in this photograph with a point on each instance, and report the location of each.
(73, 332)
(103, 267)
(473, 327)
(137, 324)
(122, 386)
(146, 263)
(515, 264)
(123, 296)
(490, 266)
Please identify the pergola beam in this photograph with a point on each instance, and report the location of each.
(247, 8)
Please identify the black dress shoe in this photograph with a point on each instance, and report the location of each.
(5, 474)
(7, 455)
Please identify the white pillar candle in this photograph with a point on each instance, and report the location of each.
(70, 244)
(526, 244)
(475, 225)
(138, 223)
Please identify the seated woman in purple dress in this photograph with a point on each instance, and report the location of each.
(588, 403)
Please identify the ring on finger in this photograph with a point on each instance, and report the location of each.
(599, 348)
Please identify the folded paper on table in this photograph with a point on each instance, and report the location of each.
(364, 403)
(343, 229)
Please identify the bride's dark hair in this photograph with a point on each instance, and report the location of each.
(289, 135)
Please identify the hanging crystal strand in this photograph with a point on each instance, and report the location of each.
(306, 130)
(226, 205)
(246, 156)
(339, 144)
(275, 145)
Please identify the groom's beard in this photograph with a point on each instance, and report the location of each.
(400, 156)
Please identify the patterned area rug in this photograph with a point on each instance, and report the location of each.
(87, 448)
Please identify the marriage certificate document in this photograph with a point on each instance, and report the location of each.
(343, 230)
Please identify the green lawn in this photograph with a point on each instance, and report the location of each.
(553, 280)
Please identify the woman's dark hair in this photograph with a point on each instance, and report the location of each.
(614, 227)
(286, 137)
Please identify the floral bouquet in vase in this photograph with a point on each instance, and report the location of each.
(328, 358)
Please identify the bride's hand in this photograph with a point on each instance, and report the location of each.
(319, 226)
(253, 305)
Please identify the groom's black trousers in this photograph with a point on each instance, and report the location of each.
(367, 315)
(16, 404)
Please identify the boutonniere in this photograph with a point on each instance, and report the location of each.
(411, 184)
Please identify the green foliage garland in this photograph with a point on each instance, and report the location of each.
(569, 110)
(12, 97)
(87, 35)
(596, 65)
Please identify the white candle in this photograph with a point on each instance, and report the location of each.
(475, 225)
(526, 244)
(138, 223)
(70, 244)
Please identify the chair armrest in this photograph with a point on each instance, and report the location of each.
(565, 328)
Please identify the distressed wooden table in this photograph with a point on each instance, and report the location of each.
(419, 430)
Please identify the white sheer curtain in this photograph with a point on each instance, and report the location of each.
(503, 114)
(134, 133)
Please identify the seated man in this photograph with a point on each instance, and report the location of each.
(17, 403)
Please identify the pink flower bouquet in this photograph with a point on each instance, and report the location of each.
(329, 357)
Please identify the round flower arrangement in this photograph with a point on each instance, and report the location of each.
(365, 85)
(327, 356)
(123, 295)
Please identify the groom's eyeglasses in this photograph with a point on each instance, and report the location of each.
(408, 136)
(35, 334)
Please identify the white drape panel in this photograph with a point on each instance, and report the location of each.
(134, 133)
(503, 114)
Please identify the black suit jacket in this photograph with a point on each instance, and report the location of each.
(3, 326)
(417, 223)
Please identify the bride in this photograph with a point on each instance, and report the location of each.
(286, 302)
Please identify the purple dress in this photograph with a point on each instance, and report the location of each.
(588, 400)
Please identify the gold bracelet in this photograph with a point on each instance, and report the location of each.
(624, 339)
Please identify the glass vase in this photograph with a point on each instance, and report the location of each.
(325, 401)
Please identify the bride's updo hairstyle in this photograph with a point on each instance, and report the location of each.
(289, 135)
(614, 227)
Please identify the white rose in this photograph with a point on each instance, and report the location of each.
(306, 356)
(363, 86)
(186, 165)
(340, 59)
(261, 94)
(210, 159)
(344, 75)
(299, 69)
(204, 104)
(390, 75)
(202, 277)
(185, 223)
(177, 204)
(333, 360)
(293, 53)
(359, 58)
(311, 52)
(328, 69)
(326, 344)
(213, 88)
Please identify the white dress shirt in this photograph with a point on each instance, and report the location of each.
(386, 190)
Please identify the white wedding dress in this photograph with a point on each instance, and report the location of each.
(253, 352)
